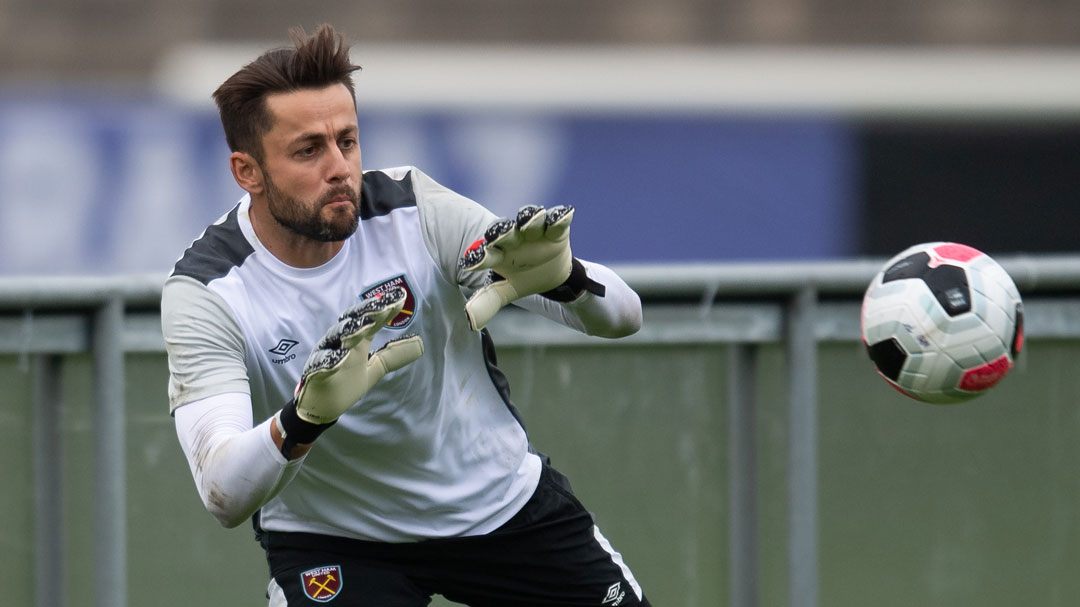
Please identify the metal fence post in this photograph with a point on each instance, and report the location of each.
(802, 450)
(742, 445)
(110, 491)
(47, 449)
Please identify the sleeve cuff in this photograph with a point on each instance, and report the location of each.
(575, 285)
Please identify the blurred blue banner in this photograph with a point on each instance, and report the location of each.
(92, 185)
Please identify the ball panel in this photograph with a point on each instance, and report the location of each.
(888, 357)
(912, 266)
(959, 333)
(996, 318)
(949, 284)
(879, 295)
(1018, 332)
(895, 318)
(905, 331)
(985, 376)
(957, 252)
(938, 374)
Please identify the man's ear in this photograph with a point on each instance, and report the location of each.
(247, 172)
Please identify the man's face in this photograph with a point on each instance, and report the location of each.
(311, 163)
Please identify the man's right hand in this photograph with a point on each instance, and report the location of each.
(340, 370)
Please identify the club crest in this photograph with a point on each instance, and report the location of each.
(322, 584)
(404, 317)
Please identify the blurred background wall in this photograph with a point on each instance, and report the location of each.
(683, 130)
(122, 40)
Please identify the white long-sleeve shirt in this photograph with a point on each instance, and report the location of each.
(434, 449)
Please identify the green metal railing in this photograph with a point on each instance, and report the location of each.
(43, 319)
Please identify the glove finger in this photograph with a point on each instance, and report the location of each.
(323, 359)
(371, 324)
(335, 345)
(488, 251)
(397, 353)
(530, 222)
(374, 304)
(363, 321)
(526, 213)
(332, 340)
(558, 222)
(487, 301)
(502, 234)
(479, 256)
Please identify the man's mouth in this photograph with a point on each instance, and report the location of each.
(335, 199)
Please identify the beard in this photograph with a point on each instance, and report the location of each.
(307, 220)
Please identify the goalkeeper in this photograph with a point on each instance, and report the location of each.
(332, 380)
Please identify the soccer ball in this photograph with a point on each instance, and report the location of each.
(942, 322)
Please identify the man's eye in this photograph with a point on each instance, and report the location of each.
(348, 144)
(308, 151)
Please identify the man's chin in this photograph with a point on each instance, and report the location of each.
(340, 225)
(340, 213)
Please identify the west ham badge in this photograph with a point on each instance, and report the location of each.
(404, 317)
(322, 584)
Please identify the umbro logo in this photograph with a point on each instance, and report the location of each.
(615, 595)
(282, 349)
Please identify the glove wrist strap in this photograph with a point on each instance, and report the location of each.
(296, 431)
(577, 283)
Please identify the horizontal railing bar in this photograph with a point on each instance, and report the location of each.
(849, 277)
(1045, 318)
(53, 334)
(669, 324)
(841, 277)
(17, 292)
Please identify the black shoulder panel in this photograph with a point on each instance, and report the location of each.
(221, 248)
(382, 194)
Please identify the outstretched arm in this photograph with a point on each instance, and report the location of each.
(237, 467)
(470, 243)
(616, 314)
(529, 263)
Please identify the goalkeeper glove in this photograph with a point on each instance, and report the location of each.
(340, 369)
(527, 255)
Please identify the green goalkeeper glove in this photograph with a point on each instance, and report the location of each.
(340, 369)
(527, 255)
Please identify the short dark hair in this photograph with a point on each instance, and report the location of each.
(315, 61)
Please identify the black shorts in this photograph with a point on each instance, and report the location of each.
(549, 555)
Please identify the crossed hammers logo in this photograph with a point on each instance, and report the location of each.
(322, 585)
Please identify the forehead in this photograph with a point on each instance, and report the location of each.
(307, 110)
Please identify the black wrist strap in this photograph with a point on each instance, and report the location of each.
(297, 431)
(575, 285)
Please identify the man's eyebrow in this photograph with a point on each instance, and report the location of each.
(316, 136)
(312, 137)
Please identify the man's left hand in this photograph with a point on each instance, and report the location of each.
(526, 255)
